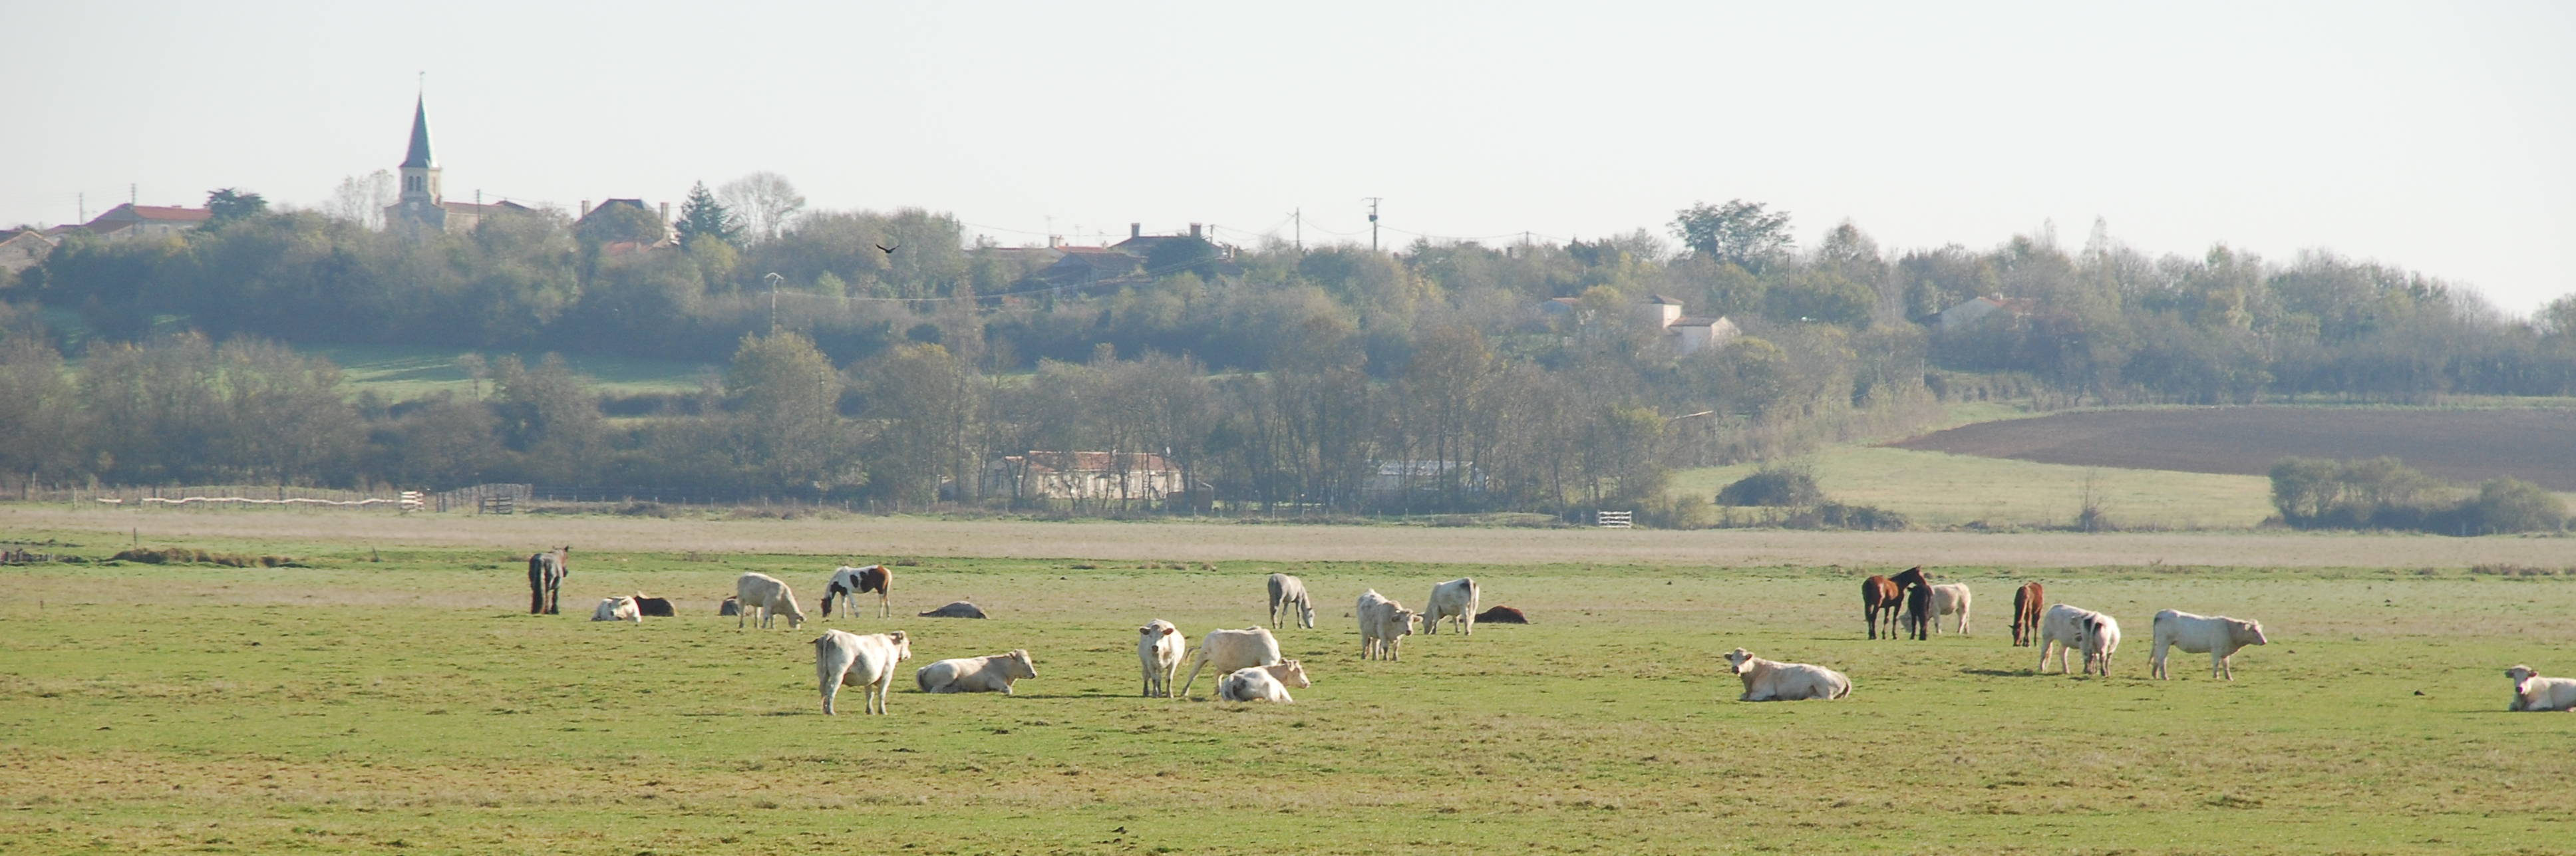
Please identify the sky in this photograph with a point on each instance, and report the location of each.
(2435, 137)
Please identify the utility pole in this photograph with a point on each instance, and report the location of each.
(1372, 201)
(83, 202)
(1299, 215)
(132, 196)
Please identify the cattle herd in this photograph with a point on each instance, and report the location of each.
(1250, 668)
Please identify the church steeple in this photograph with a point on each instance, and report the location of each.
(419, 156)
(419, 170)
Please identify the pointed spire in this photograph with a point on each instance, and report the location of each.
(419, 155)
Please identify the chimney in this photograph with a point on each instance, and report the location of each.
(666, 212)
(584, 212)
(1194, 230)
(1135, 230)
(1054, 241)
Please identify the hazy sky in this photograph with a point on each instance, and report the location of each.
(2440, 138)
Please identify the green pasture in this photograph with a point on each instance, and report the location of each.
(410, 704)
(399, 373)
(1941, 489)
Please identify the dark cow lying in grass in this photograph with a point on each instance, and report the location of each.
(1502, 615)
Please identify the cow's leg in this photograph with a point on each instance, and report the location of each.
(1194, 678)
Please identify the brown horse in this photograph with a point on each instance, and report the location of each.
(1879, 596)
(2026, 603)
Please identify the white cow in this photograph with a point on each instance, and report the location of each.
(1158, 651)
(986, 674)
(1765, 680)
(1286, 591)
(1263, 683)
(1383, 625)
(1456, 600)
(2217, 636)
(843, 658)
(763, 592)
(617, 609)
(2533, 692)
(1948, 599)
(2069, 628)
(1229, 650)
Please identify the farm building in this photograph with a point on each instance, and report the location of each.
(1083, 475)
(1685, 334)
(1968, 312)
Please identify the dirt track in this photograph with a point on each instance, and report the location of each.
(2461, 446)
(275, 531)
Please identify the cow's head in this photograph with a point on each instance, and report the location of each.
(1292, 673)
(2521, 676)
(2250, 632)
(1737, 659)
(1410, 620)
(902, 645)
(1309, 609)
(1158, 629)
(1018, 664)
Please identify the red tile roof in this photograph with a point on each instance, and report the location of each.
(160, 212)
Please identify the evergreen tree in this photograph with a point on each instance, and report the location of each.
(703, 215)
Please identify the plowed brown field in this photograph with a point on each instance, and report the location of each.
(2465, 446)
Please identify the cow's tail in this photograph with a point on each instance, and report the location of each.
(1842, 689)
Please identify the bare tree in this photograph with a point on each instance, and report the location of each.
(362, 199)
(764, 201)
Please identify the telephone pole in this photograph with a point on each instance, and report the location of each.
(1299, 215)
(773, 279)
(1372, 201)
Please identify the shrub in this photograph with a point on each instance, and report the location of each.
(1835, 515)
(1792, 484)
(2513, 505)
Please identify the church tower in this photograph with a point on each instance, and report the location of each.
(420, 209)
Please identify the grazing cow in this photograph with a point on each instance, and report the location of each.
(763, 592)
(1383, 625)
(2026, 601)
(846, 659)
(976, 674)
(546, 573)
(2069, 628)
(2533, 692)
(1229, 650)
(959, 609)
(1879, 602)
(653, 607)
(1159, 646)
(1501, 615)
(1287, 591)
(2217, 636)
(1454, 600)
(1765, 680)
(730, 606)
(1946, 599)
(848, 582)
(1263, 683)
(617, 609)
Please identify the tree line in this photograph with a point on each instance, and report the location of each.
(888, 358)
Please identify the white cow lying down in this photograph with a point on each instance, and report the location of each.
(2533, 692)
(1765, 680)
(2217, 636)
(617, 609)
(1263, 683)
(976, 674)
(843, 658)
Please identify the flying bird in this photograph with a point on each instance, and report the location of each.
(888, 250)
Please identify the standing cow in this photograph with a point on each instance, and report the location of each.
(1286, 592)
(1159, 645)
(1383, 625)
(2217, 636)
(546, 573)
(846, 659)
(2026, 605)
(847, 583)
(1455, 600)
(755, 590)
(2070, 628)
(1946, 599)
(1230, 650)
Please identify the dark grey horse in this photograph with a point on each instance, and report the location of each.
(546, 572)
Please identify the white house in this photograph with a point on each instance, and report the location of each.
(1084, 475)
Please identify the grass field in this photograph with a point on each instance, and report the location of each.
(399, 373)
(1942, 489)
(408, 705)
(2454, 444)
